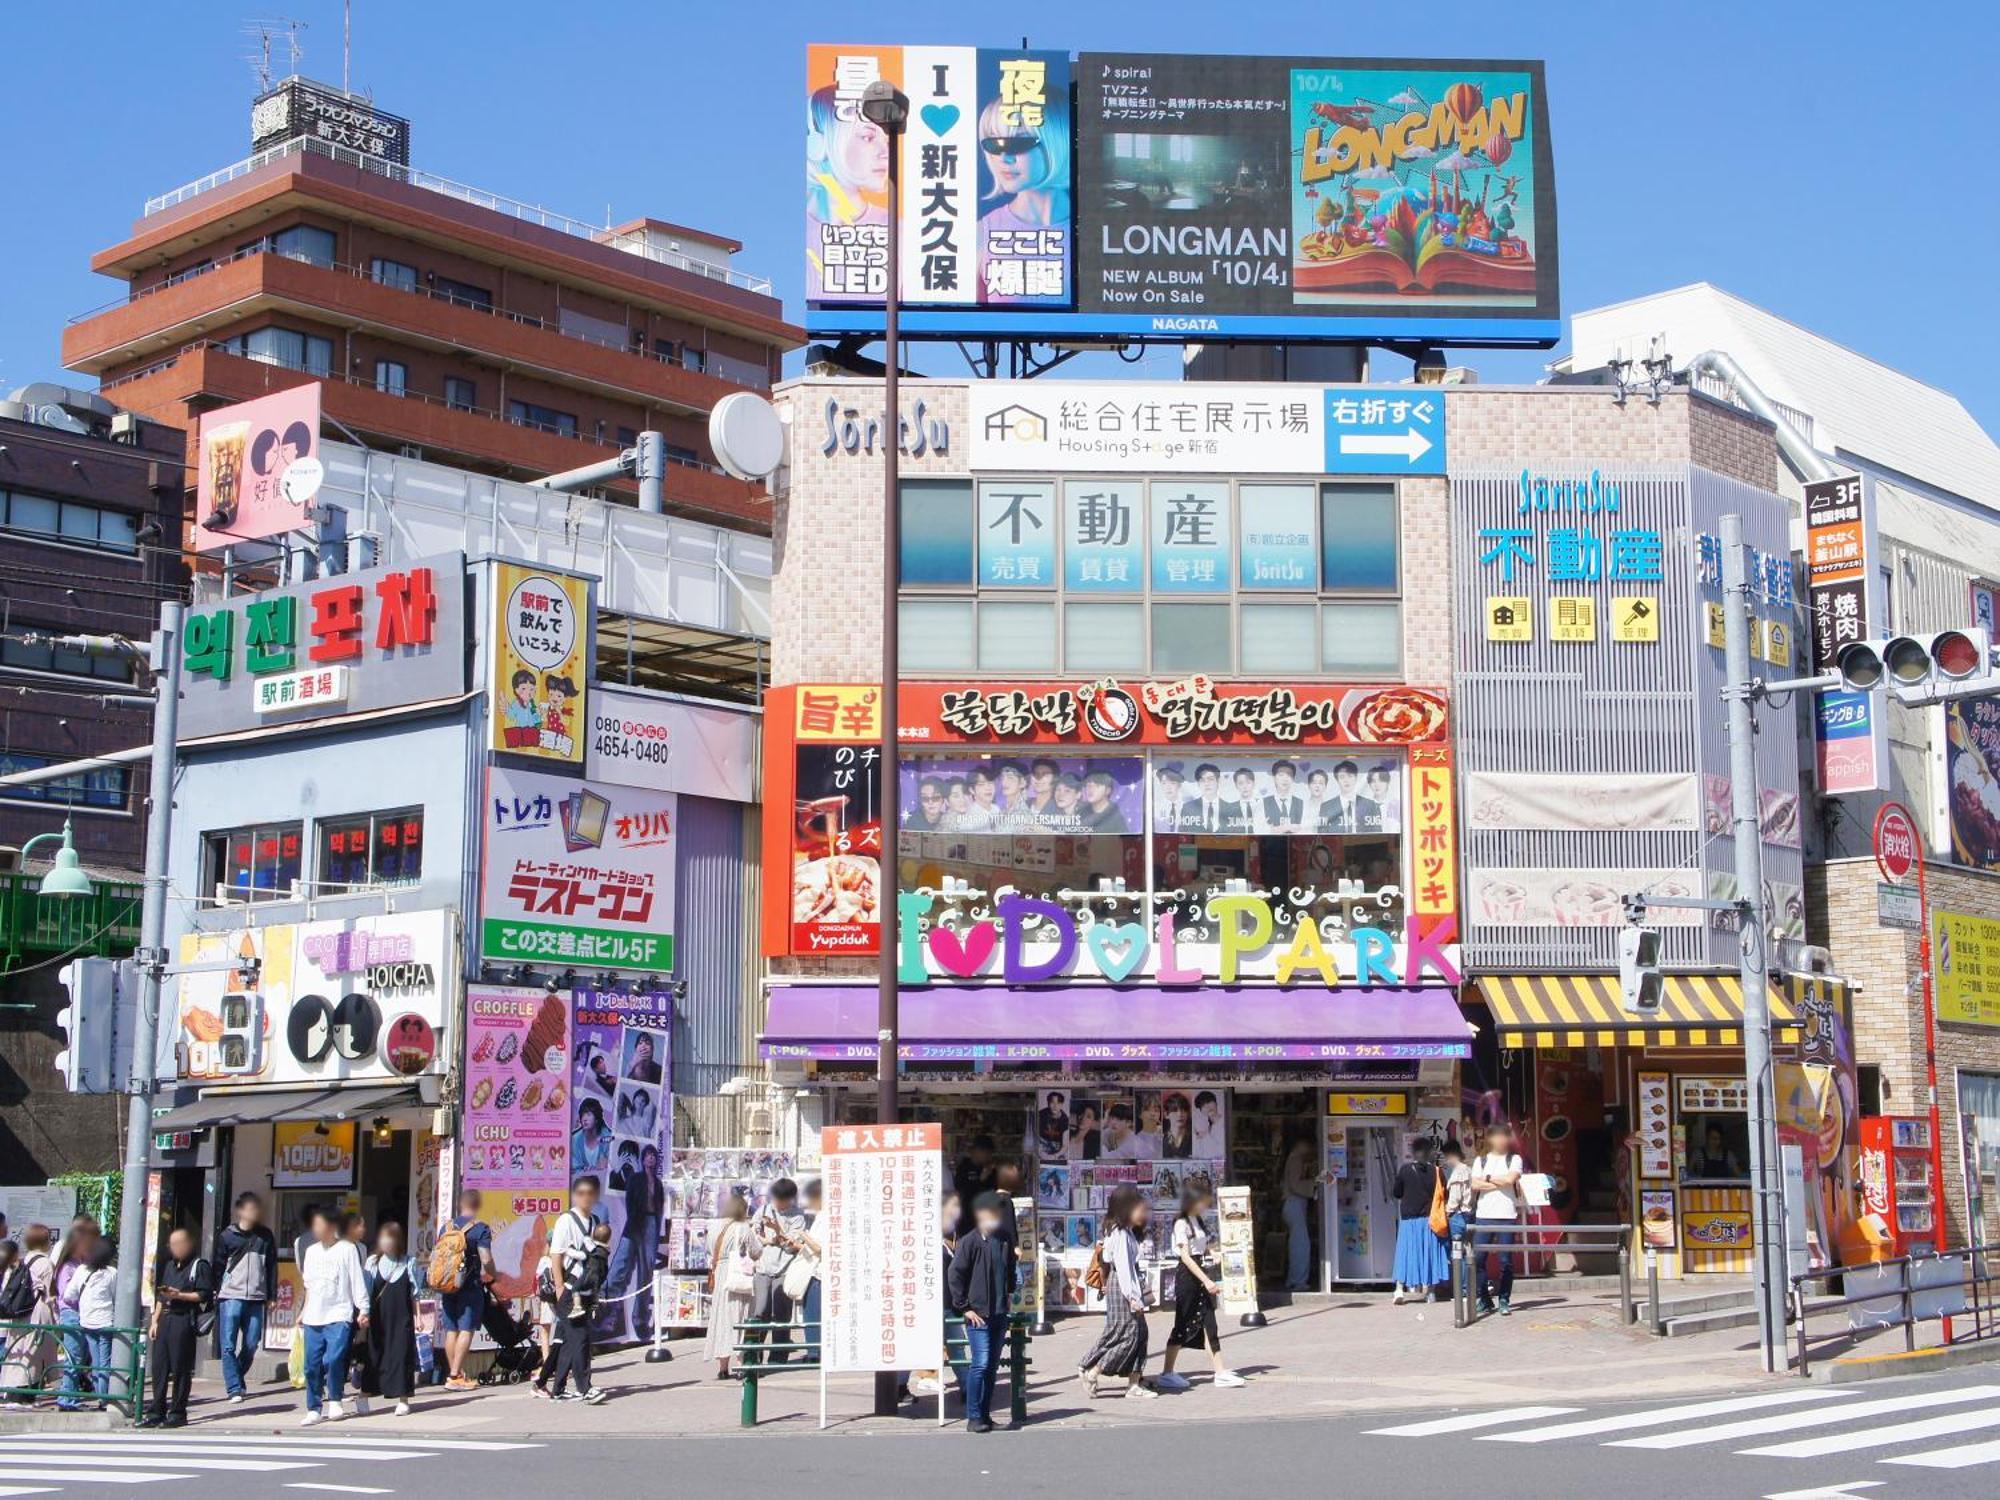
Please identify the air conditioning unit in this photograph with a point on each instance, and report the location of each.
(125, 427)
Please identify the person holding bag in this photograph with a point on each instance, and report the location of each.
(1121, 1348)
(732, 1272)
(1420, 1262)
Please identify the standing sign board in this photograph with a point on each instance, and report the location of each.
(885, 1295)
(1237, 1221)
(1839, 569)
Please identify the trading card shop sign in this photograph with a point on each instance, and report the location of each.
(884, 1281)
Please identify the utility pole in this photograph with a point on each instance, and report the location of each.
(1746, 802)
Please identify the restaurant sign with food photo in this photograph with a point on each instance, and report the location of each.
(517, 1125)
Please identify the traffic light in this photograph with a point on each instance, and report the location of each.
(1919, 668)
(86, 1024)
(1641, 986)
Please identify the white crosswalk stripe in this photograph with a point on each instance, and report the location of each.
(9, 1472)
(1882, 1437)
(1964, 1456)
(1663, 1416)
(1467, 1421)
(44, 1463)
(215, 1447)
(1792, 1421)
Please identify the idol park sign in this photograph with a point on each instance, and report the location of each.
(1040, 942)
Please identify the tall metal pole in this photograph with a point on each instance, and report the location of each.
(1746, 803)
(133, 1251)
(1939, 1221)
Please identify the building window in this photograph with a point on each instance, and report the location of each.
(1359, 538)
(286, 347)
(395, 273)
(104, 787)
(392, 376)
(547, 418)
(937, 533)
(627, 436)
(463, 293)
(934, 635)
(694, 359)
(42, 656)
(370, 849)
(667, 349)
(460, 394)
(260, 863)
(1017, 637)
(300, 242)
(70, 521)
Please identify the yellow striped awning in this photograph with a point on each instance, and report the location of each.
(1582, 1010)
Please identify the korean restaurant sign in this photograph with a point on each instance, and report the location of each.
(577, 873)
(670, 745)
(1132, 426)
(378, 638)
(538, 655)
(884, 1304)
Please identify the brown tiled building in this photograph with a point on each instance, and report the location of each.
(446, 323)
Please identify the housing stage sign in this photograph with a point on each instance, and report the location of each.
(1233, 198)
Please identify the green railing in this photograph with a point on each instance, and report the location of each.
(104, 924)
(67, 1374)
(756, 1358)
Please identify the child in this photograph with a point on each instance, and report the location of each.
(574, 1311)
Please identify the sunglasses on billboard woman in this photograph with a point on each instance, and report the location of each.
(1009, 145)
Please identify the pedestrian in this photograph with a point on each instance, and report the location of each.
(336, 1305)
(461, 1266)
(980, 1287)
(1458, 1194)
(813, 1250)
(1195, 1291)
(588, 1264)
(931, 1382)
(1496, 1178)
(181, 1290)
(569, 1242)
(29, 1352)
(392, 1280)
(96, 1310)
(247, 1252)
(1121, 1347)
(545, 1324)
(70, 1266)
(1420, 1262)
(17, 1293)
(778, 1228)
(1301, 1188)
(732, 1249)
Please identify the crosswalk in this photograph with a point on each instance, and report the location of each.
(46, 1463)
(1806, 1422)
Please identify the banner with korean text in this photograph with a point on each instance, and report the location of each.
(884, 1280)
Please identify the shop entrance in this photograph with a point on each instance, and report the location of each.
(385, 1180)
(1364, 1214)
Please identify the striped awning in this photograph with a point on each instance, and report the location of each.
(1582, 1010)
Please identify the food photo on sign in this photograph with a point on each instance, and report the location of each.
(517, 1093)
(259, 468)
(837, 849)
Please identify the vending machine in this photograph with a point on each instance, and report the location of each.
(1897, 1183)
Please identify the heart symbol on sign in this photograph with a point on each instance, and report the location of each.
(940, 117)
(965, 956)
(1117, 948)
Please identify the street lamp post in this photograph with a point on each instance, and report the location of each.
(884, 106)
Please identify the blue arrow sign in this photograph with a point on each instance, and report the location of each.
(1385, 430)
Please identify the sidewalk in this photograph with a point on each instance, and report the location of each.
(1339, 1353)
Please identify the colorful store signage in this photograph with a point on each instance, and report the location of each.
(883, 1305)
(313, 1153)
(823, 756)
(517, 1117)
(1367, 1104)
(377, 638)
(363, 999)
(1840, 572)
(259, 468)
(539, 653)
(1972, 779)
(1967, 951)
(669, 745)
(577, 873)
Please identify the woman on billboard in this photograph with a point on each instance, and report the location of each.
(1024, 190)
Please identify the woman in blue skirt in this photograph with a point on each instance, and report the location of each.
(1421, 1262)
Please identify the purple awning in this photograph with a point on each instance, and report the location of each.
(1097, 1023)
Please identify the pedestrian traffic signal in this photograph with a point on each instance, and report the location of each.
(1641, 986)
(86, 1025)
(1919, 668)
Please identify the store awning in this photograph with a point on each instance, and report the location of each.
(254, 1106)
(1582, 1010)
(1095, 1023)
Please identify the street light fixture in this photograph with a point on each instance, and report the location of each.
(66, 877)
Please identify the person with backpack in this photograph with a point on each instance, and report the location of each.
(17, 1293)
(29, 1353)
(586, 1265)
(1496, 1182)
(248, 1255)
(181, 1294)
(569, 1244)
(1114, 1269)
(1420, 1261)
(96, 1313)
(461, 1266)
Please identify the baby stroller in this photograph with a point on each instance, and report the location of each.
(517, 1356)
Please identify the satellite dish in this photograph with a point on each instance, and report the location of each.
(747, 435)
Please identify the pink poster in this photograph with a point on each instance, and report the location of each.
(259, 468)
(517, 1125)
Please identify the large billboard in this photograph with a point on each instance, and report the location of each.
(1225, 198)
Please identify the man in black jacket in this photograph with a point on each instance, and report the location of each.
(247, 1254)
(180, 1291)
(980, 1286)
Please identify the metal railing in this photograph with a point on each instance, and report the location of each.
(759, 1357)
(1920, 1294)
(101, 925)
(513, 208)
(1514, 1239)
(68, 1375)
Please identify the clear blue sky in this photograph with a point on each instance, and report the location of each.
(1824, 160)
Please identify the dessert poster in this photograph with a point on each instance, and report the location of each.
(517, 1119)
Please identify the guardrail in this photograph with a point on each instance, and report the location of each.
(757, 1358)
(1906, 1291)
(70, 1375)
(1515, 1238)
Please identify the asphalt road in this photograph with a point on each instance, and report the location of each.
(1934, 1438)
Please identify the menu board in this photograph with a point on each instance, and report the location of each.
(1656, 1155)
(1714, 1095)
(517, 1126)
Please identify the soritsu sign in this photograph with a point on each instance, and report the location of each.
(883, 1277)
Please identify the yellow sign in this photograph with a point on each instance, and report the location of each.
(1716, 1228)
(848, 714)
(1777, 636)
(539, 645)
(1715, 626)
(1367, 1104)
(1509, 618)
(1572, 617)
(1635, 617)
(306, 1153)
(1968, 969)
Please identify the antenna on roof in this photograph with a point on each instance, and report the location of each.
(263, 33)
(346, 42)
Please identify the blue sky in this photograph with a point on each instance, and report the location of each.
(1804, 156)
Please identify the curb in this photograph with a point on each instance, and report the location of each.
(15, 1423)
(1858, 1368)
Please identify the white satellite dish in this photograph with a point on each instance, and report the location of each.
(748, 438)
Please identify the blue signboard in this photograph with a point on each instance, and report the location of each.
(1104, 536)
(1017, 535)
(1398, 430)
(1190, 537)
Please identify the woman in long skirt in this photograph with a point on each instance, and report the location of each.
(1195, 1291)
(1421, 1262)
(731, 1248)
(29, 1354)
(1120, 1349)
(392, 1320)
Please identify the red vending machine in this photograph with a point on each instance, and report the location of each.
(1896, 1181)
